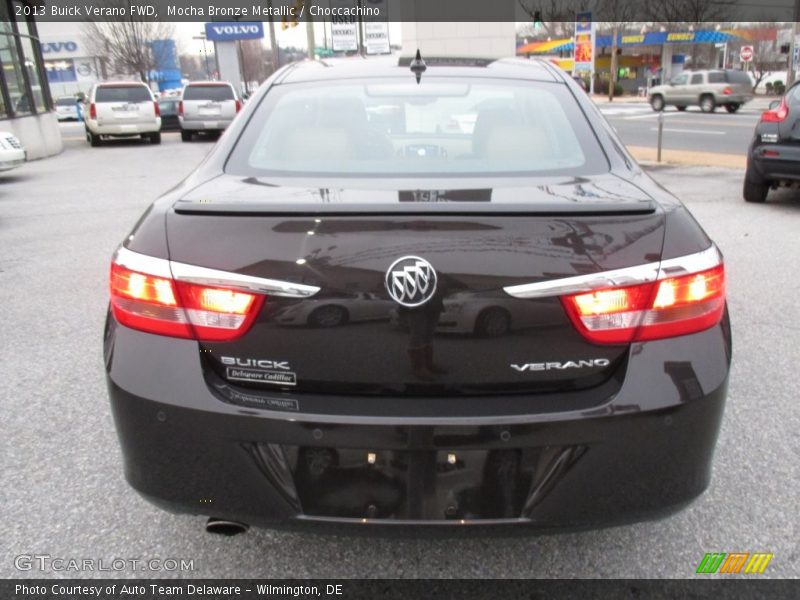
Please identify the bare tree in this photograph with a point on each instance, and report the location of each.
(256, 64)
(127, 46)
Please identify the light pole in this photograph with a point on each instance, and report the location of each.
(205, 52)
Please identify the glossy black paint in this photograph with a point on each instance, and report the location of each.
(777, 162)
(563, 449)
(644, 452)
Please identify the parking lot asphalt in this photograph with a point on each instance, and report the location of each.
(64, 495)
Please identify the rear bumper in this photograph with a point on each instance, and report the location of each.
(644, 453)
(209, 124)
(123, 129)
(782, 166)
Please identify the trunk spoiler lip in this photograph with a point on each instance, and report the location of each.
(421, 209)
(646, 273)
(178, 271)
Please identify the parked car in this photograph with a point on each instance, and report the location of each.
(122, 109)
(68, 109)
(707, 89)
(168, 105)
(207, 107)
(12, 154)
(773, 159)
(606, 409)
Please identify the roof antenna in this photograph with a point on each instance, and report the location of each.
(418, 66)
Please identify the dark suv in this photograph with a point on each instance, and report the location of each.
(773, 159)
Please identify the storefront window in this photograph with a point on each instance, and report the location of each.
(12, 71)
(35, 77)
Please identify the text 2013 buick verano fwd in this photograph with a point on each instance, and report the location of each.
(351, 197)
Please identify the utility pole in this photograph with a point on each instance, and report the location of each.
(273, 41)
(612, 74)
(790, 70)
(310, 38)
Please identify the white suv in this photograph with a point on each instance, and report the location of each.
(207, 106)
(122, 109)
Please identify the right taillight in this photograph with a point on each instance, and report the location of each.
(777, 114)
(93, 111)
(161, 305)
(668, 307)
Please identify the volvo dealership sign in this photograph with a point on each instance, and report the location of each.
(232, 31)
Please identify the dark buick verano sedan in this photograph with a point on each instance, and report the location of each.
(403, 293)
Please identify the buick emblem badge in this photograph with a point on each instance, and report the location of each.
(411, 281)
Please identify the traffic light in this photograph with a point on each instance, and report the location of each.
(291, 20)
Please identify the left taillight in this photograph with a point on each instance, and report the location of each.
(159, 304)
(668, 307)
(777, 114)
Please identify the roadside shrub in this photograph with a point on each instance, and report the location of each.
(601, 87)
(778, 88)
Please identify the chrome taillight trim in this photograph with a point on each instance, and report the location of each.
(649, 272)
(161, 267)
(142, 263)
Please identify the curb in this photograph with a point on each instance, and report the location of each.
(688, 158)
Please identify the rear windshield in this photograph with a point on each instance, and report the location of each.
(66, 102)
(119, 93)
(738, 77)
(216, 93)
(168, 107)
(442, 127)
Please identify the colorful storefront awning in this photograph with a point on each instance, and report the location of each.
(652, 38)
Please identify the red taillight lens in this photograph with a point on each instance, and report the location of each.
(238, 105)
(666, 308)
(776, 115)
(178, 309)
(180, 108)
(157, 109)
(727, 91)
(92, 111)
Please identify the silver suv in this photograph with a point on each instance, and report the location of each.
(206, 106)
(706, 89)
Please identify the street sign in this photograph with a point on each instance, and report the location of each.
(232, 31)
(584, 41)
(746, 53)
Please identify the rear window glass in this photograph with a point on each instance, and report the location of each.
(441, 127)
(697, 78)
(216, 93)
(716, 77)
(131, 93)
(66, 102)
(739, 77)
(168, 107)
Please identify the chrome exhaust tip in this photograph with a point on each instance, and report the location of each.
(225, 527)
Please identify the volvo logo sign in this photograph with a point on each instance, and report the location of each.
(411, 281)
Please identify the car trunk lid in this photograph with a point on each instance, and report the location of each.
(353, 337)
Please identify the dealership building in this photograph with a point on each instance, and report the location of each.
(25, 100)
(68, 63)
